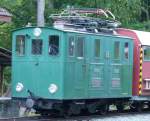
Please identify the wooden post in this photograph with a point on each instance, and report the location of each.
(51, 4)
(40, 13)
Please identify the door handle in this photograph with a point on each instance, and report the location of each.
(84, 68)
(84, 65)
(80, 58)
(107, 54)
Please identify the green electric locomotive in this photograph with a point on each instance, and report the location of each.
(70, 70)
(54, 65)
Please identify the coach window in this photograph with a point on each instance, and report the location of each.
(126, 50)
(80, 47)
(20, 45)
(53, 48)
(97, 48)
(116, 50)
(37, 46)
(71, 46)
(146, 53)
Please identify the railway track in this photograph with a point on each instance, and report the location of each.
(76, 118)
(32, 118)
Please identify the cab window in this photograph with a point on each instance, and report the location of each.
(80, 47)
(116, 50)
(71, 46)
(126, 50)
(37, 46)
(20, 45)
(146, 53)
(97, 48)
(53, 48)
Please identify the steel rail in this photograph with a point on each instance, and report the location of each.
(75, 118)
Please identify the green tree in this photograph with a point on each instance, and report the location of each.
(129, 12)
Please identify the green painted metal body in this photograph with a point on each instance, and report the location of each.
(84, 77)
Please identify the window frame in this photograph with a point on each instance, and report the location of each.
(128, 51)
(16, 52)
(94, 54)
(74, 47)
(83, 47)
(32, 47)
(114, 51)
(58, 45)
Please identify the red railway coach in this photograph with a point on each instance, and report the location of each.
(141, 66)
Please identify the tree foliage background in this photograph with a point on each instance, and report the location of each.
(131, 13)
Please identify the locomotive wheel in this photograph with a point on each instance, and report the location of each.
(133, 107)
(74, 109)
(64, 112)
(92, 108)
(137, 107)
(44, 114)
(104, 109)
(149, 106)
(120, 107)
(85, 111)
(69, 110)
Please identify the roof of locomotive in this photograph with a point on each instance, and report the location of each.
(143, 36)
(75, 31)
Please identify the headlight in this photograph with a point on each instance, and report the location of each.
(37, 32)
(19, 87)
(52, 88)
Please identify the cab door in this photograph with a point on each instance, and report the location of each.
(115, 68)
(35, 65)
(97, 67)
(110, 71)
(127, 66)
(80, 66)
(119, 68)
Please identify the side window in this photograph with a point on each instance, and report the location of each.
(71, 45)
(80, 47)
(20, 45)
(97, 48)
(116, 50)
(126, 50)
(146, 53)
(53, 46)
(37, 46)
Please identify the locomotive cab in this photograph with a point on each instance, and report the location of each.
(37, 66)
